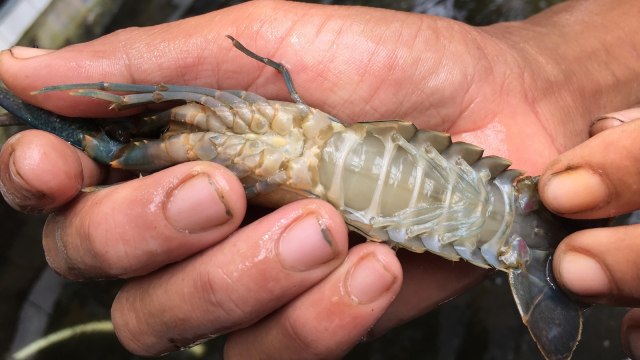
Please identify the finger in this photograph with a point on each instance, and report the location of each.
(338, 64)
(141, 225)
(42, 172)
(600, 265)
(589, 182)
(428, 281)
(255, 271)
(614, 119)
(332, 317)
(631, 333)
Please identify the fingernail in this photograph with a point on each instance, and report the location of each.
(583, 275)
(369, 279)
(603, 124)
(633, 343)
(23, 52)
(306, 244)
(197, 205)
(614, 119)
(575, 190)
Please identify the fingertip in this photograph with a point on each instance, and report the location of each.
(335, 225)
(23, 52)
(375, 274)
(593, 179)
(42, 172)
(17, 65)
(574, 190)
(24, 71)
(581, 274)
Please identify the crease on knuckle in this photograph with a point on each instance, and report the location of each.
(102, 256)
(302, 339)
(129, 338)
(220, 297)
(128, 324)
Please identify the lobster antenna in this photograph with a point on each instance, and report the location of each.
(276, 65)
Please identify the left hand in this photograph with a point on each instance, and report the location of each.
(597, 179)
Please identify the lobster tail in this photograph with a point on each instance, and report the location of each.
(554, 320)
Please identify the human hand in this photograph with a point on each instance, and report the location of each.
(355, 63)
(598, 179)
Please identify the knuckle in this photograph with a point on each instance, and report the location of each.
(230, 310)
(100, 253)
(108, 265)
(302, 339)
(129, 324)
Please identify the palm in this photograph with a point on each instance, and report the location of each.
(498, 114)
(462, 91)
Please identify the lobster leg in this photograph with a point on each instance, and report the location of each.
(135, 88)
(288, 80)
(120, 102)
(152, 155)
(265, 186)
(238, 116)
(147, 94)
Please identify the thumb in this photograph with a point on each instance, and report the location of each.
(195, 52)
(355, 63)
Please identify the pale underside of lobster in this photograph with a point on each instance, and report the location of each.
(393, 183)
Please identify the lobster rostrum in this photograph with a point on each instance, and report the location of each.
(393, 183)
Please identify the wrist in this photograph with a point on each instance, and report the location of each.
(581, 59)
(596, 44)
